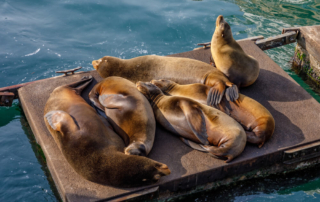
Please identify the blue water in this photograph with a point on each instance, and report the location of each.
(39, 37)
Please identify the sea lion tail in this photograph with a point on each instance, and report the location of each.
(232, 93)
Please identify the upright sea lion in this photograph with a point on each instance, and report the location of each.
(130, 113)
(255, 118)
(89, 144)
(240, 68)
(180, 70)
(197, 124)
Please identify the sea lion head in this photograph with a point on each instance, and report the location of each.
(105, 64)
(148, 89)
(163, 84)
(223, 30)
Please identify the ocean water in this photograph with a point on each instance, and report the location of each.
(39, 37)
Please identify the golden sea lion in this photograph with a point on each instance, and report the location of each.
(180, 70)
(130, 113)
(256, 119)
(197, 124)
(89, 144)
(229, 58)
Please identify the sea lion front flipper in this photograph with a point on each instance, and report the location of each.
(196, 121)
(193, 145)
(217, 152)
(115, 101)
(61, 121)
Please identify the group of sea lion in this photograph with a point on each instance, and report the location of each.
(193, 100)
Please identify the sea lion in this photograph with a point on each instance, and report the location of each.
(130, 113)
(197, 124)
(229, 58)
(256, 119)
(89, 144)
(180, 70)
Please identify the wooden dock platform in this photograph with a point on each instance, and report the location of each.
(295, 139)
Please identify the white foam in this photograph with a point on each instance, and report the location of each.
(35, 52)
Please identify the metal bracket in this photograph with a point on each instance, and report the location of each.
(65, 72)
(290, 29)
(204, 44)
(301, 153)
(6, 98)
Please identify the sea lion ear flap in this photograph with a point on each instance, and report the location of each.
(61, 121)
(196, 121)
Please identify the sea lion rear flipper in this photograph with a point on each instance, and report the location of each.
(193, 145)
(232, 93)
(215, 94)
(61, 121)
(196, 121)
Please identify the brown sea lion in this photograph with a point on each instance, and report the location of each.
(229, 58)
(255, 118)
(89, 144)
(130, 113)
(180, 70)
(197, 124)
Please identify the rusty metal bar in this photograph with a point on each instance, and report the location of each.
(6, 98)
(208, 44)
(276, 41)
(7, 94)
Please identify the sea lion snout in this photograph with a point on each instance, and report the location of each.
(95, 64)
(162, 83)
(219, 20)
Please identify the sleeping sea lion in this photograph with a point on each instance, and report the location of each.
(229, 58)
(89, 144)
(130, 113)
(197, 124)
(180, 70)
(256, 119)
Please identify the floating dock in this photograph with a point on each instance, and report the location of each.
(296, 139)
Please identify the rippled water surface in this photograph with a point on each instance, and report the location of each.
(39, 37)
